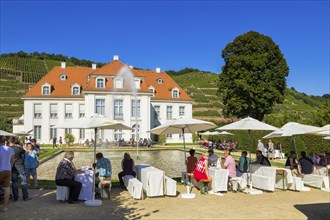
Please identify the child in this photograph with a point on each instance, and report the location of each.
(191, 161)
(30, 164)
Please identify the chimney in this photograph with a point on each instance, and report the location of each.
(63, 65)
(94, 66)
(130, 66)
(158, 69)
(115, 57)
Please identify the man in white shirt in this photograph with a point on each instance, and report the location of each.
(262, 148)
(6, 163)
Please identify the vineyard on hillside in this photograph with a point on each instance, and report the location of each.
(27, 70)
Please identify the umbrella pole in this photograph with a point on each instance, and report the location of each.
(184, 147)
(250, 167)
(95, 136)
(295, 146)
(136, 137)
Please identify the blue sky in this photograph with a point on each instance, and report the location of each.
(172, 34)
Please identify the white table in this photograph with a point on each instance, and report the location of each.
(219, 179)
(86, 179)
(284, 178)
(152, 181)
(138, 168)
(278, 154)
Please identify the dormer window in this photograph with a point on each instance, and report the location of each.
(63, 77)
(100, 83)
(175, 93)
(118, 83)
(160, 81)
(152, 89)
(137, 83)
(46, 89)
(75, 90)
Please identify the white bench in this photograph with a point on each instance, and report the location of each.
(298, 184)
(134, 186)
(62, 193)
(263, 182)
(170, 186)
(317, 181)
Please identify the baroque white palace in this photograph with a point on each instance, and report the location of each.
(67, 93)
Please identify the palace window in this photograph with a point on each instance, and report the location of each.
(99, 83)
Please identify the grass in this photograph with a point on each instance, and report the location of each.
(46, 153)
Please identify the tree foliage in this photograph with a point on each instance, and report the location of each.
(253, 77)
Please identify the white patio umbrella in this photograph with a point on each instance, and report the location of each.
(84, 123)
(23, 133)
(225, 133)
(206, 133)
(93, 122)
(327, 138)
(182, 126)
(292, 129)
(249, 124)
(5, 133)
(323, 131)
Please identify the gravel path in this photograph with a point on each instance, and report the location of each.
(277, 205)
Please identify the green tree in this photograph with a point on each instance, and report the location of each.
(253, 77)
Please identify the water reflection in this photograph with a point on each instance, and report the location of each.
(171, 161)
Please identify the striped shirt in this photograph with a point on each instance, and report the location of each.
(65, 170)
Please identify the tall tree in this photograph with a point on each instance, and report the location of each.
(253, 77)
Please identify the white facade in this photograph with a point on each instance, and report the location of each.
(43, 120)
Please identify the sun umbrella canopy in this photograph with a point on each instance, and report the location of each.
(88, 122)
(23, 133)
(5, 133)
(225, 133)
(112, 126)
(248, 124)
(207, 133)
(323, 131)
(179, 125)
(273, 134)
(291, 129)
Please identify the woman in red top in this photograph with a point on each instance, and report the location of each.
(201, 171)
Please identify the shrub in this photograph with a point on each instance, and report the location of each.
(206, 113)
(70, 137)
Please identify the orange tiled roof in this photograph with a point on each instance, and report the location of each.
(62, 88)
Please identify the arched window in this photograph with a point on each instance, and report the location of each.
(46, 90)
(75, 90)
(175, 93)
(152, 89)
(118, 83)
(100, 83)
(134, 127)
(137, 83)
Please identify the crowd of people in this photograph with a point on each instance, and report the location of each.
(218, 144)
(18, 161)
(305, 165)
